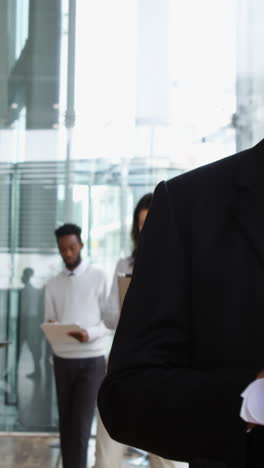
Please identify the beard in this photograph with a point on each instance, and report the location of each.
(74, 264)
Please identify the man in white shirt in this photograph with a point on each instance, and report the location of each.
(77, 295)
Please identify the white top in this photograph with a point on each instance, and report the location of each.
(79, 297)
(252, 409)
(112, 309)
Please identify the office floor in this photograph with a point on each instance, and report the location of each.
(43, 452)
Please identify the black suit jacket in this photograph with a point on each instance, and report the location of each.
(191, 333)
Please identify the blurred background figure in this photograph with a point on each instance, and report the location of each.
(30, 319)
(109, 453)
(33, 383)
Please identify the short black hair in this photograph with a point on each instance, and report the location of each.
(68, 229)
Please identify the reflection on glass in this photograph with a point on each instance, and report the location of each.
(33, 82)
(30, 319)
(34, 366)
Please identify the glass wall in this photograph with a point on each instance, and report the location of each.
(99, 101)
(33, 201)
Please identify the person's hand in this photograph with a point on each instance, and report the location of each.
(81, 336)
(251, 426)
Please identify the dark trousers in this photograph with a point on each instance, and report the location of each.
(255, 457)
(77, 384)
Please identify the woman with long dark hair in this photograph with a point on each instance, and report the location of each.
(125, 265)
(109, 453)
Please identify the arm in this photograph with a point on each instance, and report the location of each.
(149, 338)
(112, 307)
(100, 329)
(49, 308)
(97, 331)
(173, 409)
(91, 334)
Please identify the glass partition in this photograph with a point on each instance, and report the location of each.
(103, 195)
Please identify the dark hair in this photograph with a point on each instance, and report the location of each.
(144, 203)
(28, 272)
(68, 229)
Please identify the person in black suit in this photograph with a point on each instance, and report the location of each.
(191, 333)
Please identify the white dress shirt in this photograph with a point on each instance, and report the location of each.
(78, 297)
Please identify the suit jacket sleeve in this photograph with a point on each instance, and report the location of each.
(152, 397)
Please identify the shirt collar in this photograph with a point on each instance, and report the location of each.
(78, 270)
